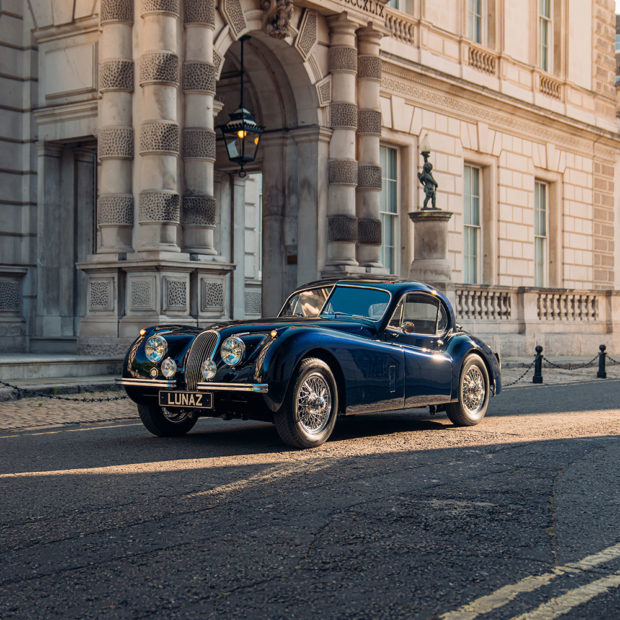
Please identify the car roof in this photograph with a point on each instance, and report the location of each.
(392, 286)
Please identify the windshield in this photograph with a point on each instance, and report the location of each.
(306, 303)
(357, 302)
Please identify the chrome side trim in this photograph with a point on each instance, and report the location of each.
(261, 388)
(156, 383)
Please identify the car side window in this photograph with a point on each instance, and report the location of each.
(396, 320)
(423, 314)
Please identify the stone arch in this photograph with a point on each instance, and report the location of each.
(281, 80)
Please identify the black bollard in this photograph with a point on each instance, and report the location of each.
(601, 374)
(538, 366)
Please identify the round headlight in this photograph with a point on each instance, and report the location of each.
(155, 348)
(208, 369)
(168, 368)
(232, 350)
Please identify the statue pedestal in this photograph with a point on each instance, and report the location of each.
(430, 250)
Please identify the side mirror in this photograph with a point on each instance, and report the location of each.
(409, 327)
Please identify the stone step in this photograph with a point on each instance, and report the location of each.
(60, 385)
(37, 366)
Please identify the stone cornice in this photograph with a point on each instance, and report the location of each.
(419, 83)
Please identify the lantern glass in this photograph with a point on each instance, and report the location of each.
(242, 136)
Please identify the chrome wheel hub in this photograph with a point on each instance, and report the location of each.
(473, 390)
(314, 403)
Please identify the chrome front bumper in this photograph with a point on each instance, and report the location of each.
(205, 386)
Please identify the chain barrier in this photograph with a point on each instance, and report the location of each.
(521, 377)
(21, 393)
(612, 360)
(571, 366)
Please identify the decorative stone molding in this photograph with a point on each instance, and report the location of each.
(199, 210)
(175, 294)
(483, 304)
(277, 17)
(116, 11)
(369, 122)
(100, 295)
(308, 33)
(368, 176)
(324, 91)
(232, 12)
(199, 76)
(198, 143)
(342, 228)
(10, 296)
(159, 206)
(115, 143)
(115, 209)
(482, 59)
(369, 67)
(343, 115)
(253, 303)
(560, 306)
(217, 62)
(116, 75)
(211, 296)
(369, 231)
(342, 58)
(159, 137)
(199, 12)
(160, 6)
(141, 294)
(342, 172)
(159, 67)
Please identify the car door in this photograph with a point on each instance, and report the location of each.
(419, 325)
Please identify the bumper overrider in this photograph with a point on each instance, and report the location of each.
(205, 386)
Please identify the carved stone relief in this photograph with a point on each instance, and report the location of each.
(211, 296)
(368, 176)
(198, 143)
(232, 12)
(277, 17)
(10, 296)
(199, 12)
(159, 137)
(342, 172)
(100, 295)
(199, 76)
(175, 294)
(159, 67)
(369, 231)
(116, 11)
(308, 33)
(343, 115)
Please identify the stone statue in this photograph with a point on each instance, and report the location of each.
(430, 185)
(277, 17)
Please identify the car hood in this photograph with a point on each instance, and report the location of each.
(350, 326)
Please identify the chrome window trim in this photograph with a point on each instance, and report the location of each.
(261, 388)
(157, 383)
(440, 302)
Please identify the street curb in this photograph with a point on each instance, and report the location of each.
(47, 389)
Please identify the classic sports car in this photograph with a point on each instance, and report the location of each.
(336, 348)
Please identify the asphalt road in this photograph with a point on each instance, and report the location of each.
(399, 515)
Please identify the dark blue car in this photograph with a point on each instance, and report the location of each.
(336, 348)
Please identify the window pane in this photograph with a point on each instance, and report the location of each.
(539, 261)
(389, 210)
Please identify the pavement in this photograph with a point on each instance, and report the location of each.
(98, 399)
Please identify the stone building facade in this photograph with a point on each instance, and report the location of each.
(120, 208)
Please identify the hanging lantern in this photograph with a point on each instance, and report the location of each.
(241, 133)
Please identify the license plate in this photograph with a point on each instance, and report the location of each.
(186, 400)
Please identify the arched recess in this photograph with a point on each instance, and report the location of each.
(280, 91)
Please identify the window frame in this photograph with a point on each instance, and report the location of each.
(541, 279)
(548, 22)
(394, 216)
(482, 17)
(477, 228)
(400, 307)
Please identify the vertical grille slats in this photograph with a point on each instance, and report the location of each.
(202, 348)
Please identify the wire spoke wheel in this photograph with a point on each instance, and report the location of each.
(176, 416)
(473, 390)
(314, 403)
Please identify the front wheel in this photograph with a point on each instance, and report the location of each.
(308, 416)
(473, 393)
(166, 422)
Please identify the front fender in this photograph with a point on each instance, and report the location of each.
(276, 366)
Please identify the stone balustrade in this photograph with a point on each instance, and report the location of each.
(482, 59)
(568, 306)
(487, 304)
(400, 25)
(550, 86)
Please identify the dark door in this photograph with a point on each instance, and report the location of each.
(419, 324)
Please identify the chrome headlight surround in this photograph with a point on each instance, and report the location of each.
(208, 368)
(155, 349)
(168, 368)
(232, 350)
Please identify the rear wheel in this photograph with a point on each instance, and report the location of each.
(308, 416)
(166, 422)
(473, 393)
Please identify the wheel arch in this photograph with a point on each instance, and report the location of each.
(334, 366)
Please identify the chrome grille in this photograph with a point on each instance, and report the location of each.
(202, 348)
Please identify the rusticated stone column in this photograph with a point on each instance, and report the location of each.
(159, 135)
(115, 214)
(198, 207)
(342, 165)
(368, 149)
